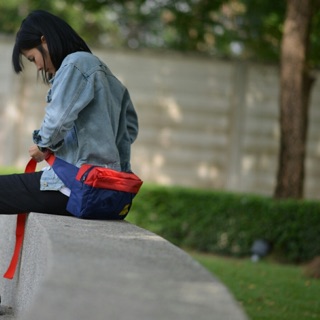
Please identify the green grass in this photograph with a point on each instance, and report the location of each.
(267, 290)
(10, 170)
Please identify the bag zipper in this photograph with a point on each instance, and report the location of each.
(85, 175)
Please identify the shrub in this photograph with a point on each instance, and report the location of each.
(228, 223)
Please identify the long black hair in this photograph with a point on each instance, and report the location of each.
(60, 38)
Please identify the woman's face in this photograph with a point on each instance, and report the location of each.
(42, 61)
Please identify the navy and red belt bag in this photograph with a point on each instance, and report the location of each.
(96, 192)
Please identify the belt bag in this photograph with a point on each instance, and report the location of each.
(96, 192)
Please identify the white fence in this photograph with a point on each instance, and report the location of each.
(204, 122)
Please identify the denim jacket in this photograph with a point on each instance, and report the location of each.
(89, 117)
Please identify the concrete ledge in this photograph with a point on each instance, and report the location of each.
(75, 269)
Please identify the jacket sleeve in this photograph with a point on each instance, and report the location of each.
(132, 120)
(71, 92)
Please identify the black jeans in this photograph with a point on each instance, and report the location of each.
(20, 193)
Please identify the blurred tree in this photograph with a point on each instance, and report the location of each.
(295, 87)
(287, 31)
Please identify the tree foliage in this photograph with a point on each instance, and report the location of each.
(250, 29)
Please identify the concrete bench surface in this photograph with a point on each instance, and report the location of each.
(74, 269)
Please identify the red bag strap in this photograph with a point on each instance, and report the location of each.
(20, 228)
(50, 158)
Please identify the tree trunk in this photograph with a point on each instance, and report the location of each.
(295, 88)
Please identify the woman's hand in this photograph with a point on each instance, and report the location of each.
(36, 154)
